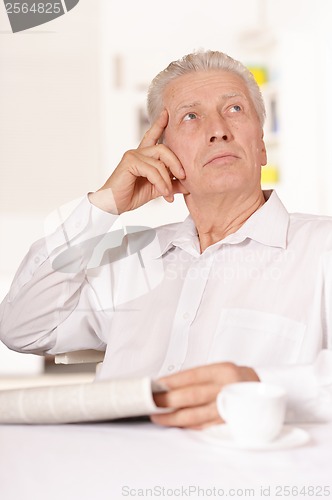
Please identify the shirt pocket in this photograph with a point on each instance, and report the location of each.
(249, 337)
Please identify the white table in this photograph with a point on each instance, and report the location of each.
(113, 461)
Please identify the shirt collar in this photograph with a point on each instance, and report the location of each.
(268, 225)
(181, 234)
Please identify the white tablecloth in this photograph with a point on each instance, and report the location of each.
(113, 461)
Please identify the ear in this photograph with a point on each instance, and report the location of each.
(263, 151)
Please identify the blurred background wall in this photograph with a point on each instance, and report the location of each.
(72, 100)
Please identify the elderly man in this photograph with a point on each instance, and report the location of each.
(241, 290)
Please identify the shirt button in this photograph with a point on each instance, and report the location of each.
(37, 259)
(186, 315)
(170, 368)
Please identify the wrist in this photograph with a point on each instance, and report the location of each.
(104, 199)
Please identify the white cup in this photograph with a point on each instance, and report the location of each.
(253, 411)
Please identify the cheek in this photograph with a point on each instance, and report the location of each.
(184, 143)
(175, 141)
(185, 154)
(168, 136)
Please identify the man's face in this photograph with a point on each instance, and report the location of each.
(214, 130)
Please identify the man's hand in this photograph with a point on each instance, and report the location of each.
(192, 394)
(143, 174)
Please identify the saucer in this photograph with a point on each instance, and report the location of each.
(289, 437)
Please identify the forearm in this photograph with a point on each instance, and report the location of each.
(308, 386)
(43, 295)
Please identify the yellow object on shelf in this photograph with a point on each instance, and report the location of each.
(270, 174)
(259, 73)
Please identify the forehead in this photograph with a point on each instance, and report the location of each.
(202, 85)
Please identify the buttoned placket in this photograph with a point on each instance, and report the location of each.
(190, 299)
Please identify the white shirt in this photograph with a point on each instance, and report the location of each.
(261, 297)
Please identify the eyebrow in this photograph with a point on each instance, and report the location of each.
(194, 104)
(232, 94)
(188, 106)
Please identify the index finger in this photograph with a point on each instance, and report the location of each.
(152, 136)
(193, 376)
(218, 373)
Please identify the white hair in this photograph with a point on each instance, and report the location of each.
(201, 61)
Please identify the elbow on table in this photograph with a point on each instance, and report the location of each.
(21, 339)
(22, 334)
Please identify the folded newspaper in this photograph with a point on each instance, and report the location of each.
(88, 402)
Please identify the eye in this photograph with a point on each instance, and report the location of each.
(189, 116)
(236, 108)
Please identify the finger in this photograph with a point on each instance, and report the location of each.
(205, 425)
(173, 185)
(160, 167)
(170, 160)
(195, 395)
(152, 171)
(188, 417)
(178, 187)
(154, 133)
(220, 373)
(139, 160)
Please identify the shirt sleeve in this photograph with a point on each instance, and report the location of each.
(308, 388)
(50, 285)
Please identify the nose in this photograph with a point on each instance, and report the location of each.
(218, 129)
(216, 138)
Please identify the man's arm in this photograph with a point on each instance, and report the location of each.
(38, 313)
(308, 387)
(43, 296)
(192, 394)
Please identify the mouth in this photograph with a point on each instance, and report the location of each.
(221, 158)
